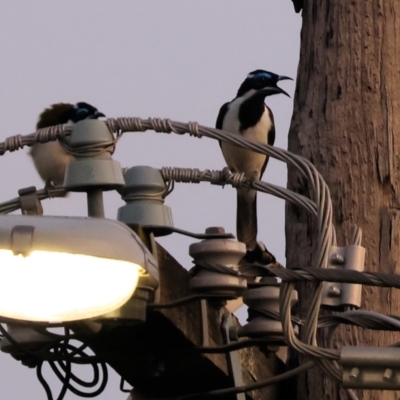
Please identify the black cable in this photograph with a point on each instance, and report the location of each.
(66, 380)
(43, 382)
(64, 366)
(82, 347)
(67, 377)
(56, 366)
(48, 356)
(121, 386)
(240, 344)
(336, 275)
(61, 359)
(250, 387)
(186, 300)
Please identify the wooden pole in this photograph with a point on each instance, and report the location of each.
(159, 358)
(347, 122)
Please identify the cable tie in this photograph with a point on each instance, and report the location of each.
(29, 201)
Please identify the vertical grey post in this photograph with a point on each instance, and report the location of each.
(93, 172)
(95, 203)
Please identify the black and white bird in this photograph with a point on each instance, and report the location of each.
(247, 115)
(50, 158)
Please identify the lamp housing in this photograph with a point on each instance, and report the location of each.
(59, 269)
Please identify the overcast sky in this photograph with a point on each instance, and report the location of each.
(177, 59)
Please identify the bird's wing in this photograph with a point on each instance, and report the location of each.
(271, 139)
(220, 119)
(221, 115)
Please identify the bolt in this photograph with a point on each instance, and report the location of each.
(334, 291)
(387, 375)
(337, 259)
(354, 373)
(215, 229)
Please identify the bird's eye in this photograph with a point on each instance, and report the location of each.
(262, 77)
(82, 111)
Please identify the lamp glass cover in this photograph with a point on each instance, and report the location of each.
(59, 287)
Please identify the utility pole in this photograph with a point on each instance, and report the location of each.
(160, 358)
(347, 122)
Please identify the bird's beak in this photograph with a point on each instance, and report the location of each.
(99, 114)
(275, 90)
(284, 78)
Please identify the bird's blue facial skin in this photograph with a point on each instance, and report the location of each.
(263, 79)
(82, 112)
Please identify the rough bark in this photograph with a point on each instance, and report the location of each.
(347, 122)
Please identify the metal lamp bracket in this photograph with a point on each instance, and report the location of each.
(232, 357)
(339, 295)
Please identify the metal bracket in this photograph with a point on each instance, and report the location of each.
(232, 358)
(371, 367)
(340, 295)
(29, 201)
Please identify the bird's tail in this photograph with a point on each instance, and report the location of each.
(246, 217)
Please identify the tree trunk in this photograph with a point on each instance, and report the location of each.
(347, 122)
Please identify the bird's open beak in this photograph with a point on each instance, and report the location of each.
(275, 90)
(284, 78)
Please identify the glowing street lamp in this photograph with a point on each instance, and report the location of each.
(58, 269)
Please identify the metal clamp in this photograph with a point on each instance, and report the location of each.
(29, 201)
(371, 367)
(340, 295)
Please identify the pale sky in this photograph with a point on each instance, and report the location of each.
(177, 59)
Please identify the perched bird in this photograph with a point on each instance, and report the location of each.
(50, 158)
(247, 115)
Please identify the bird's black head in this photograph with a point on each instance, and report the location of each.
(83, 111)
(263, 82)
(61, 113)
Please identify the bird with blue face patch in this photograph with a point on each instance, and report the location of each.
(50, 158)
(247, 115)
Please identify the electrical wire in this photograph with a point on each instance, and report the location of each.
(61, 367)
(61, 354)
(121, 386)
(248, 388)
(240, 344)
(185, 300)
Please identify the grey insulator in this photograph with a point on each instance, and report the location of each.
(221, 258)
(144, 193)
(91, 144)
(262, 298)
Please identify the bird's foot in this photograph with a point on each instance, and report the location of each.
(50, 187)
(259, 255)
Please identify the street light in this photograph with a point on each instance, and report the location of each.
(58, 269)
